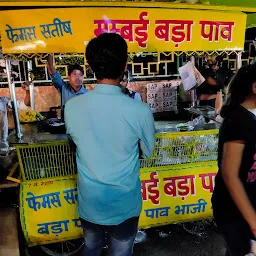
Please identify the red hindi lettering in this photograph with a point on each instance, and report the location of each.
(180, 186)
(213, 30)
(208, 25)
(150, 190)
(227, 31)
(162, 30)
(184, 187)
(104, 26)
(181, 30)
(178, 31)
(141, 32)
(170, 186)
(127, 31)
(126, 28)
(208, 181)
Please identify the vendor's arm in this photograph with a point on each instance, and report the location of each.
(25, 86)
(147, 136)
(23, 104)
(208, 74)
(211, 81)
(50, 65)
(218, 80)
(54, 74)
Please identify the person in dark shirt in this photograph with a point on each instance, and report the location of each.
(234, 196)
(125, 90)
(216, 78)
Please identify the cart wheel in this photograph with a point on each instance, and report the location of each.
(66, 248)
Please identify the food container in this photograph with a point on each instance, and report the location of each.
(55, 125)
(184, 128)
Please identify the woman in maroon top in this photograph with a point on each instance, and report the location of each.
(234, 196)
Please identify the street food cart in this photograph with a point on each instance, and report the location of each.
(177, 182)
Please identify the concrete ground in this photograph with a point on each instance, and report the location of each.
(181, 243)
(173, 240)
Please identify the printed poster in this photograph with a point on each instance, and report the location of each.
(162, 96)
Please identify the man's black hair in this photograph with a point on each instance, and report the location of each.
(107, 56)
(73, 67)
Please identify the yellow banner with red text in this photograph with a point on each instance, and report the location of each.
(145, 30)
(170, 195)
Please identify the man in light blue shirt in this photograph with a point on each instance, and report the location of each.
(108, 127)
(67, 90)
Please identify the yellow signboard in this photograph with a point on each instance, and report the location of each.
(170, 195)
(145, 30)
(48, 210)
(177, 194)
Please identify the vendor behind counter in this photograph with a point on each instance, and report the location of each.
(216, 79)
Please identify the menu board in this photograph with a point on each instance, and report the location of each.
(162, 96)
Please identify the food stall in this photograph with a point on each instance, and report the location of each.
(177, 182)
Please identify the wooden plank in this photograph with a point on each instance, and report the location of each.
(9, 242)
(9, 184)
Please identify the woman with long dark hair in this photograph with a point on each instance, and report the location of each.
(234, 196)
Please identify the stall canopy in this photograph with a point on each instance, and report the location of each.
(245, 5)
(58, 30)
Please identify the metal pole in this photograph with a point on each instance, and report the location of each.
(31, 87)
(239, 60)
(24, 70)
(13, 98)
(193, 91)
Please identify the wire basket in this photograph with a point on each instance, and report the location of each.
(46, 160)
(183, 148)
(56, 159)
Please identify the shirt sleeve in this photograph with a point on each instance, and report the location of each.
(137, 97)
(147, 140)
(58, 81)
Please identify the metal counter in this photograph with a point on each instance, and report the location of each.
(33, 134)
